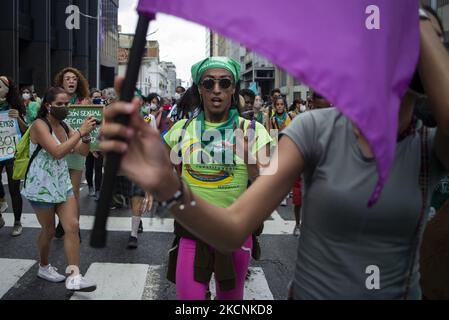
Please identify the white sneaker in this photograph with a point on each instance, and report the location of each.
(79, 283)
(3, 206)
(284, 202)
(17, 229)
(91, 192)
(296, 231)
(49, 273)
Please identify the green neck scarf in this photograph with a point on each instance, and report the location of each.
(280, 119)
(73, 99)
(259, 117)
(226, 130)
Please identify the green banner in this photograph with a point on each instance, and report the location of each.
(77, 115)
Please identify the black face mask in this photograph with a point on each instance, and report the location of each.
(59, 113)
(97, 101)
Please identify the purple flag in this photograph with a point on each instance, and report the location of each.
(359, 54)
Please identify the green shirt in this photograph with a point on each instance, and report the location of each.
(31, 112)
(217, 183)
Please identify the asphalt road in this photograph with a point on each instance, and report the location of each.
(132, 274)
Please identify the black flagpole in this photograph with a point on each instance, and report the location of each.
(112, 164)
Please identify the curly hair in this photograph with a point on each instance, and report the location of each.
(13, 97)
(82, 89)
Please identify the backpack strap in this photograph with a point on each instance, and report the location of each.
(36, 151)
(184, 128)
(424, 185)
(66, 128)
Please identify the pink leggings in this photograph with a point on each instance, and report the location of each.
(189, 289)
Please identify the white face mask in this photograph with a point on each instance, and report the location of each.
(257, 105)
(153, 107)
(26, 96)
(177, 96)
(302, 108)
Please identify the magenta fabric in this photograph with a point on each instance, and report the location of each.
(326, 44)
(189, 289)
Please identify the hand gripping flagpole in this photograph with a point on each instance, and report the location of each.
(98, 236)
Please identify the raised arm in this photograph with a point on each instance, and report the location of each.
(146, 162)
(434, 72)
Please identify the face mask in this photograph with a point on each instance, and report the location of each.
(302, 108)
(257, 105)
(59, 113)
(97, 101)
(177, 96)
(153, 107)
(26, 96)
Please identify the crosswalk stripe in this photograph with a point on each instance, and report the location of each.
(277, 226)
(256, 287)
(124, 281)
(152, 283)
(11, 270)
(115, 281)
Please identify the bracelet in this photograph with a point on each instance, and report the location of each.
(81, 136)
(86, 140)
(179, 194)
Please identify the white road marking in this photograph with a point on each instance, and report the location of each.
(256, 287)
(11, 270)
(115, 281)
(119, 281)
(152, 283)
(277, 226)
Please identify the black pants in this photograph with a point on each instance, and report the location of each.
(97, 163)
(14, 189)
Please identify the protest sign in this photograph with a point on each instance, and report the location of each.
(9, 136)
(77, 115)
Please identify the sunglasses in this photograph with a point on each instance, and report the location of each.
(209, 84)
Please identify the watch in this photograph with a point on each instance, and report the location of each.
(423, 15)
(86, 139)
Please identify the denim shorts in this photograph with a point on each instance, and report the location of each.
(48, 205)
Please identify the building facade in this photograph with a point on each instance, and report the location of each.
(259, 70)
(171, 80)
(149, 70)
(39, 44)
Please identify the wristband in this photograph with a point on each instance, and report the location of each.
(165, 206)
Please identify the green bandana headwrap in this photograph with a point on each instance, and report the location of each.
(229, 64)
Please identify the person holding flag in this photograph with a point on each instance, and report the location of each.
(341, 236)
